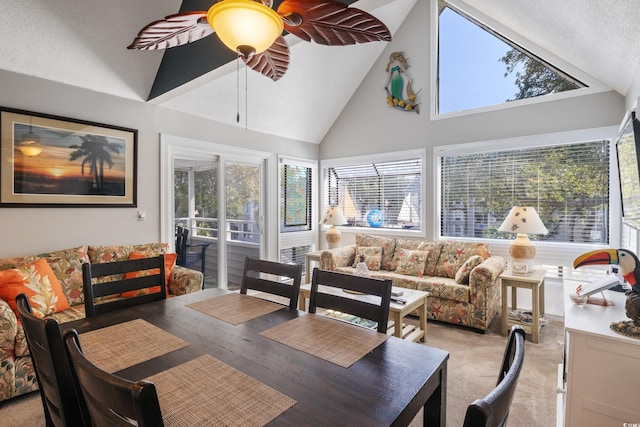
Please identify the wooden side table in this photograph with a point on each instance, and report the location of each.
(533, 282)
(416, 300)
(308, 258)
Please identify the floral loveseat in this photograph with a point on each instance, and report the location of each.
(461, 277)
(16, 369)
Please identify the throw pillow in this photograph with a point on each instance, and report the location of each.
(39, 283)
(411, 262)
(372, 256)
(169, 262)
(462, 275)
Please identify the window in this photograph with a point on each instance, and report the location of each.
(295, 198)
(478, 67)
(379, 194)
(567, 184)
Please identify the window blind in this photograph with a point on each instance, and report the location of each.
(381, 194)
(567, 184)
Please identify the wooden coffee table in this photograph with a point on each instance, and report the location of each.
(416, 300)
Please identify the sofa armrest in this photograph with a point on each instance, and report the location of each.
(185, 281)
(344, 256)
(8, 327)
(485, 275)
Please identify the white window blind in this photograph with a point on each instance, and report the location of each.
(380, 194)
(567, 184)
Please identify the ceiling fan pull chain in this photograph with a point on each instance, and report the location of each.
(238, 88)
(246, 97)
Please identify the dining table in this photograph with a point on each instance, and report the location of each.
(385, 386)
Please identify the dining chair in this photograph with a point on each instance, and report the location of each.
(493, 409)
(53, 372)
(345, 301)
(109, 399)
(182, 234)
(110, 279)
(253, 277)
(190, 255)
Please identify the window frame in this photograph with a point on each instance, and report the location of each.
(548, 253)
(372, 158)
(593, 86)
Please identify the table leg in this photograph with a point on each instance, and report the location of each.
(423, 319)
(307, 270)
(398, 324)
(435, 408)
(535, 312)
(504, 308)
(542, 298)
(302, 302)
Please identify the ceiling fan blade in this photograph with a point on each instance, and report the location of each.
(331, 23)
(273, 62)
(174, 30)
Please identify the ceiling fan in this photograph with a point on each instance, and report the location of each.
(254, 30)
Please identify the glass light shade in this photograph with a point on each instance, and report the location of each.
(241, 23)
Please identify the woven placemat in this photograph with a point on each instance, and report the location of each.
(126, 344)
(208, 392)
(235, 308)
(332, 340)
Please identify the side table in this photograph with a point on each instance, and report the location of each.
(308, 258)
(533, 282)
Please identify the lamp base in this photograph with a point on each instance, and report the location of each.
(523, 253)
(333, 237)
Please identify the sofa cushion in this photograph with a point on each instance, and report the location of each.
(411, 262)
(462, 275)
(446, 289)
(39, 283)
(387, 245)
(67, 266)
(415, 245)
(454, 253)
(371, 256)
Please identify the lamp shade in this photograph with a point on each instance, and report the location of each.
(523, 219)
(245, 26)
(333, 216)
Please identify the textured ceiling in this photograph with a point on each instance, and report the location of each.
(82, 43)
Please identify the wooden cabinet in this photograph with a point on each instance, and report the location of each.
(601, 368)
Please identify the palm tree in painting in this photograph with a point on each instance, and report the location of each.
(96, 152)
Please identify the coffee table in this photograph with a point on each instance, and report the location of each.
(416, 300)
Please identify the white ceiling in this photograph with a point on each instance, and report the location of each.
(82, 43)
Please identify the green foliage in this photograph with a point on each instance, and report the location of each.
(536, 78)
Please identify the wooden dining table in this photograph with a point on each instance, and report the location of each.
(386, 387)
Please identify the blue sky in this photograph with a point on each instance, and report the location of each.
(471, 74)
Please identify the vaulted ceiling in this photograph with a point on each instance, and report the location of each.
(83, 43)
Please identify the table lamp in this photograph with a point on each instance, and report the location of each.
(333, 216)
(522, 220)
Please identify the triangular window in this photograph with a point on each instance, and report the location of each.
(477, 67)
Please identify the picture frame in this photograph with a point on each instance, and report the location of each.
(53, 161)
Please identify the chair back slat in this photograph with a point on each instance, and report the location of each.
(377, 311)
(109, 399)
(266, 276)
(493, 409)
(61, 407)
(101, 280)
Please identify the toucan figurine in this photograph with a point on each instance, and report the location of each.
(630, 269)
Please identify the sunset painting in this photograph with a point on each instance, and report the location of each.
(77, 163)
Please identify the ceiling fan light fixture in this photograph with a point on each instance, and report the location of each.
(245, 26)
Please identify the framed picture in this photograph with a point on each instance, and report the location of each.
(55, 161)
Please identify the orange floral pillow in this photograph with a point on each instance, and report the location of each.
(39, 283)
(169, 262)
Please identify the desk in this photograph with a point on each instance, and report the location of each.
(416, 300)
(308, 258)
(533, 282)
(386, 387)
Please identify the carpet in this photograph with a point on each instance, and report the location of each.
(472, 372)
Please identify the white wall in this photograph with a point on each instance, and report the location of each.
(27, 231)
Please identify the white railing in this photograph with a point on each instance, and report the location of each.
(207, 228)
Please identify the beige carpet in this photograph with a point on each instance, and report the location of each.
(472, 371)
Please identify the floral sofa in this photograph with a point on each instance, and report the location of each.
(461, 277)
(16, 369)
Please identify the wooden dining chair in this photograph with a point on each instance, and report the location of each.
(342, 298)
(109, 399)
(109, 278)
(254, 277)
(493, 409)
(59, 400)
